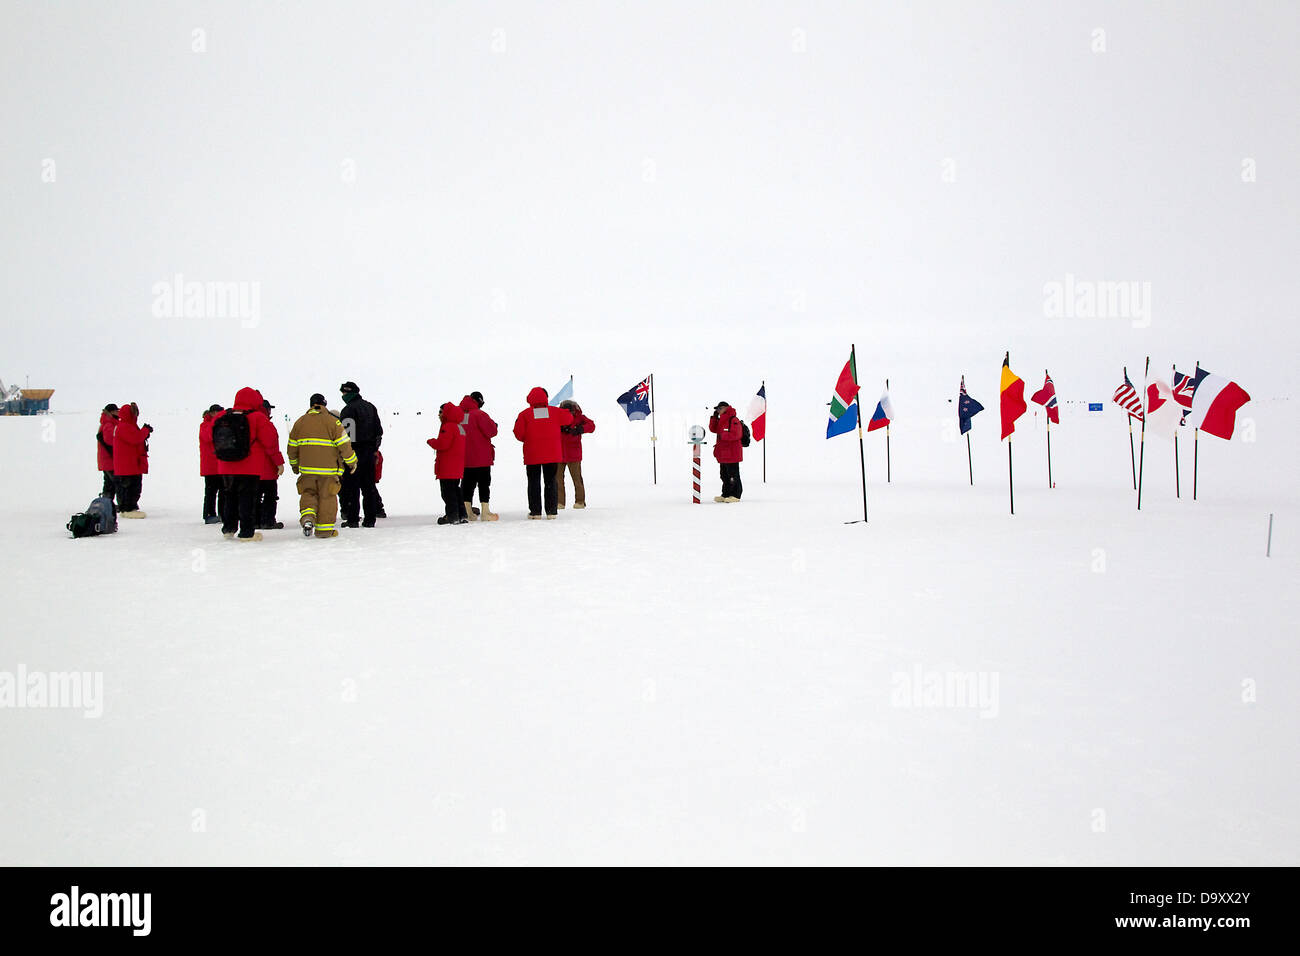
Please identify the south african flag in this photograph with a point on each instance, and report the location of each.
(844, 403)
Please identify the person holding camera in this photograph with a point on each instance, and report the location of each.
(728, 450)
(571, 454)
(130, 460)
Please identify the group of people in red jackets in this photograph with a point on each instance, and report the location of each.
(242, 495)
(552, 445)
(122, 454)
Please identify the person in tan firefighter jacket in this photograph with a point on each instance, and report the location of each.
(318, 451)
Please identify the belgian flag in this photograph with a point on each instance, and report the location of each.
(1012, 397)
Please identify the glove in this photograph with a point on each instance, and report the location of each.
(352, 469)
(279, 470)
(295, 469)
(148, 429)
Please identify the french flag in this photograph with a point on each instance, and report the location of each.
(758, 414)
(1215, 401)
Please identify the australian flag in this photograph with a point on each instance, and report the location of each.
(967, 407)
(636, 401)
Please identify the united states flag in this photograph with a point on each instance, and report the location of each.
(1127, 398)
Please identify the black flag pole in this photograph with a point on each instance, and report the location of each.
(1132, 458)
(1049, 437)
(1142, 439)
(862, 455)
(1178, 492)
(969, 467)
(1196, 438)
(889, 469)
(654, 461)
(763, 387)
(1011, 481)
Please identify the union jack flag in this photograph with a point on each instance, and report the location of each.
(1127, 398)
(1184, 389)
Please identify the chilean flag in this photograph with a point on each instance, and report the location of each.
(1046, 396)
(1215, 401)
(880, 418)
(758, 414)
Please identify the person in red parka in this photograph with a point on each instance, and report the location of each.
(538, 427)
(480, 429)
(130, 460)
(728, 450)
(268, 487)
(213, 493)
(104, 448)
(449, 465)
(242, 478)
(571, 453)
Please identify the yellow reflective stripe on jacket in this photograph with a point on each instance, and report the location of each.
(314, 441)
(350, 459)
(321, 471)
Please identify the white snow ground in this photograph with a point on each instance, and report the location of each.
(653, 682)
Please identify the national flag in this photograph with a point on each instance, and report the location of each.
(1215, 401)
(883, 414)
(636, 401)
(1046, 396)
(758, 414)
(1163, 414)
(1011, 397)
(844, 403)
(564, 394)
(1184, 389)
(967, 407)
(1127, 398)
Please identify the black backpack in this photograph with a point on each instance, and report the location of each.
(99, 518)
(744, 435)
(83, 525)
(231, 436)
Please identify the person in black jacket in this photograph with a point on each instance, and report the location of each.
(361, 422)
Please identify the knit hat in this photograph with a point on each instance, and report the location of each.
(215, 408)
(349, 387)
(267, 405)
(316, 399)
(110, 407)
(478, 397)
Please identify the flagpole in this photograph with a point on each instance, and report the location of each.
(888, 467)
(763, 386)
(969, 467)
(1048, 418)
(1142, 440)
(1049, 454)
(1132, 459)
(1178, 493)
(862, 455)
(654, 460)
(1011, 481)
(1196, 439)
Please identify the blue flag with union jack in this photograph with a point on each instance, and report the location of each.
(636, 401)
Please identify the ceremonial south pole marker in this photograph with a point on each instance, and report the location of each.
(696, 438)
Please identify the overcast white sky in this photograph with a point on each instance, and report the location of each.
(716, 192)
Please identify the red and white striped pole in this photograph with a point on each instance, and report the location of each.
(696, 439)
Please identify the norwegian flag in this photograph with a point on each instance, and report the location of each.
(1046, 396)
(1127, 398)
